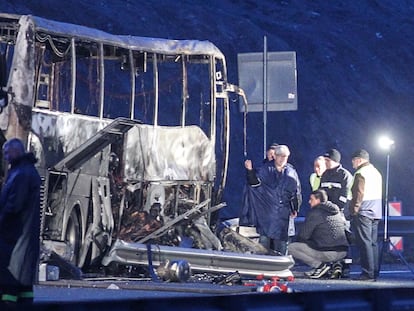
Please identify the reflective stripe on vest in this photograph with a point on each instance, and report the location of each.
(330, 185)
(8, 297)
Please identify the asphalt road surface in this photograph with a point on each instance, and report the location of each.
(391, 276)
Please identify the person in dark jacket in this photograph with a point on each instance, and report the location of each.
(322, 238)
(19, 224)
(272, 195)
(336, 180)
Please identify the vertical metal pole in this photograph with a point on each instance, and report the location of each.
(133, 82)
(387, 244)
(102, 80)
(386, 199)
(184, 91)
(264, 95)
(73, 82)
(155, 70)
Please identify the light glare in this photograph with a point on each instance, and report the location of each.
(385, 142)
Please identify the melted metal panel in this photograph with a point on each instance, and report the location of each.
(169, 153)
(152, 153)
(61, 133)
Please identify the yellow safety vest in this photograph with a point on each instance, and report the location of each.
(315, 181)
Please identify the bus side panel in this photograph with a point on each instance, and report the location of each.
(169, 153)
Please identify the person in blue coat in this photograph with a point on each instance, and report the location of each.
(271, 196)
(19, 224)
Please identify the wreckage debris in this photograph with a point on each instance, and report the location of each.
(174, 271)
(275, 285)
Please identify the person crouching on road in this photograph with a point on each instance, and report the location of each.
(322, 239)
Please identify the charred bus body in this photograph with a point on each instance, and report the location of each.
(125, 130)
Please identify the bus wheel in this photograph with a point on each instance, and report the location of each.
(72, 237)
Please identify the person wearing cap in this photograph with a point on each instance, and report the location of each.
(365, 209)
(319, 167)
(271, 196)
(336, 180)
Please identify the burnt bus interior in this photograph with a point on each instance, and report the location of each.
(129, 89)
(103, 90)
(132, 140)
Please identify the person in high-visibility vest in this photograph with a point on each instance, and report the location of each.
(366, 211)
(319, 167)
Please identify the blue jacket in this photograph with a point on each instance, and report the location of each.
(20, 220)
(269, 198)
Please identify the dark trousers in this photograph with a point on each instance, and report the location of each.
(11, 291)
(366, 238)
(276, 245)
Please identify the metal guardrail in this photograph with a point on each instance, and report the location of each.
(351, 299)
(398, 226)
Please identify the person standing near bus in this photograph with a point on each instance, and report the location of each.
(336, 180)
(272, 195)
(366, 212)
(319, 167)
(19, 224)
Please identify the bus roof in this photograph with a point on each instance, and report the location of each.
(144, 44)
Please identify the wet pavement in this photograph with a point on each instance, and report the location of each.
(391, 276)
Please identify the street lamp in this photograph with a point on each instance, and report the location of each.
(387, 144)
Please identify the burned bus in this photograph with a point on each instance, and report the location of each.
(132, 140)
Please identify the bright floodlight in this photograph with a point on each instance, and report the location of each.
(385, 142)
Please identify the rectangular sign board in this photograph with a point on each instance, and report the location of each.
(281, 81)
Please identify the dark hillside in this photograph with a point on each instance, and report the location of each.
(355, 62)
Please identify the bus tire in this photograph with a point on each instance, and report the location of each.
(72, 236)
